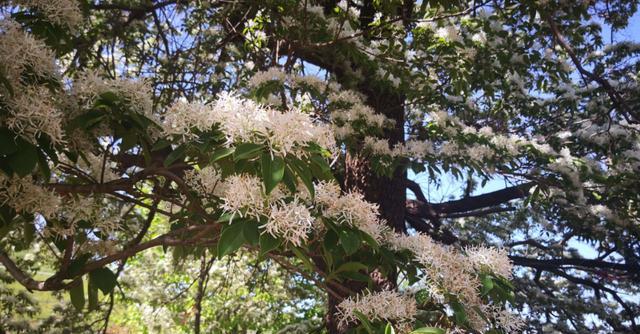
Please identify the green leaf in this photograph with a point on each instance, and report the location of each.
(92, 292)
(104, 279)
(8, 143)
(354, 276)
(304, 173)
(87, 120)
(77, 295)
(29, 232)
(129, 140)
(247, 151)
(352, 266)
(320, 168)
(459, 314)
(272, 171)
(25, 159)
(428, 330)
(304, 258)
(350, 241)
(364, 321)
(7, 214)
(268, 243)
(487, 284)
(222, 153)
(250, 232)
(43, 166)
(389, 329)
(289, 180)
(160, 144)
(231, 239)
(176, 154)
(77, 264)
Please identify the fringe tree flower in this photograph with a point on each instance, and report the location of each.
(382, 305)
(494, 259)
(243, 196)
(290, 221)
(26, 197)
(62, 12)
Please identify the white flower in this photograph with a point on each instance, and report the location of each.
(272, 74)
(493, 259)
(480, 37)
(449, 33)
(26, 197)
(20, 51)
(290, 221)
(62, 12)
(382, 305)
(206, 181)
(243, 120)
(350, 209)
(34, 112)
(243, 196)
(90, 85)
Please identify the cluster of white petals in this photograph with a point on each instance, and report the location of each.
(32, 110)
(271, 74)
(291, 221)
(95, 211)
(26, 197)
(243, 120)
(243, 196)
(381, 305)
(494, 259)
(206, 181)
(62, 12)
(415, 149)
(452, 272)
(90, 85)
(350, 208)
(20, 51)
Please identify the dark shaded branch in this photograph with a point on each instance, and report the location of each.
(172, 238)
(428, 210)
(551, 264)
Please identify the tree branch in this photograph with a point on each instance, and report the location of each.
(428, 210)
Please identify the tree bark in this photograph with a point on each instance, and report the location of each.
(202, 278)
(388, 192)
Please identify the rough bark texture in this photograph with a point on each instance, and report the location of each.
(389, 193)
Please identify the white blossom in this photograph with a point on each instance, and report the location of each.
(291, 221)
(62, 12)
(28, 198)
(243, 195)
(381, 305)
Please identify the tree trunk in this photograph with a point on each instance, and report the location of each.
(389, 193)
(202, 278)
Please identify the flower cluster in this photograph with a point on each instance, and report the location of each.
(62, 12)
(350, 208)
(32, 110)
(381, 305)
(291, 221)
(493, 259)
(453, 272)
(206, 181)
(90, 85)
(242, 120)
(27, 197)
(243, 195)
